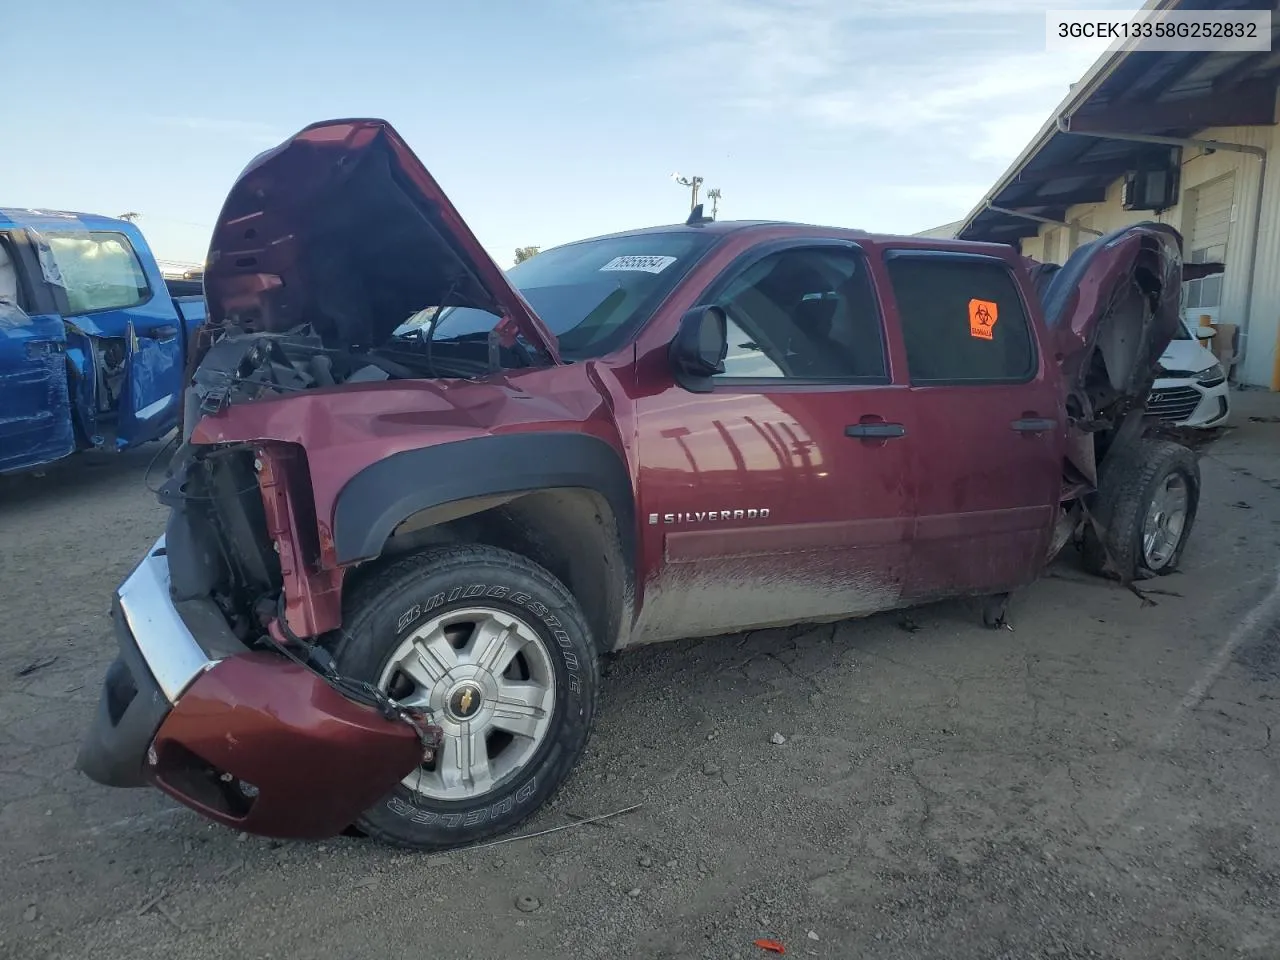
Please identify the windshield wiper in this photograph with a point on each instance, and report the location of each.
(390, 367)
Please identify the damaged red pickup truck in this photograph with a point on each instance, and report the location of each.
(417, 498)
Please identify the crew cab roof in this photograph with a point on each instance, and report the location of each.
(723, 228)
(43, 219)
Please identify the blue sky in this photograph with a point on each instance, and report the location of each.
(545, 122)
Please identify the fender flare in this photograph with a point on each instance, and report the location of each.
(378, 498)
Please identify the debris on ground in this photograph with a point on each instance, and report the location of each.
(578, 822)
(773, 946)
(777, 739)
(150, 903)
(229, 870)
(1242, 505)
(31, 668)
(813, 935)
(155, 904)
(527, 904)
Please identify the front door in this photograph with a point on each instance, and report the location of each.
(784, 494)
(990, 422)
(35, 410)
(130, 326)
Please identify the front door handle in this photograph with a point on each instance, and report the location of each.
(875, 431)
(163, 333)
(1034, 425)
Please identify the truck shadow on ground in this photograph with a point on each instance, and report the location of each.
(83, 476)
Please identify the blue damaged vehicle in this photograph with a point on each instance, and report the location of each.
(93, 339)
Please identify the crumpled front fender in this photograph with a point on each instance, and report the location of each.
(1119, 295)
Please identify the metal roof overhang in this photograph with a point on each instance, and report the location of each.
(1170, 94)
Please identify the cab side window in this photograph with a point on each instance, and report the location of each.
(100, 271)
(962, 319)
(807, 314)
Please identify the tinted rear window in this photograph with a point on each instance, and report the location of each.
(962, 319)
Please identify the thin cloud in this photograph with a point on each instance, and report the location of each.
(925, 71)
(253, 131)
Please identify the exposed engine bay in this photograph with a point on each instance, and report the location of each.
(224, 558)
(242, 367)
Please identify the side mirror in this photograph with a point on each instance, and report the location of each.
(697, 353)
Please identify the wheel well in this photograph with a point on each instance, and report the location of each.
(571, 532)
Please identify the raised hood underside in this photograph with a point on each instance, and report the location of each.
(343, 229)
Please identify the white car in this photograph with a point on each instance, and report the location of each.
(1192, 390)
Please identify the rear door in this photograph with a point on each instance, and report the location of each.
(131, 322)
(988, 421)
(35, 411)
(784, 494)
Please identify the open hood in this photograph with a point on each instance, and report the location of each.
(343, 228)
(1112, 310)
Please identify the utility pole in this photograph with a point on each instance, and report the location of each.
(714, 196)
(693, 183)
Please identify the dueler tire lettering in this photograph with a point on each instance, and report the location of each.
(392, 601)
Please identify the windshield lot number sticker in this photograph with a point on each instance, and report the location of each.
(982, 318)
(641, 264)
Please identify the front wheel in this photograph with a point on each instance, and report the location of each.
(499, 651)
(1145, 506)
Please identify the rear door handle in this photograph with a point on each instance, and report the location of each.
(1034, 425)
(875, 431)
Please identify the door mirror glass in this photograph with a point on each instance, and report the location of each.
(697, 353)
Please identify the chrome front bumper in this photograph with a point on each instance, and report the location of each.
(158, 659)
(167, 645)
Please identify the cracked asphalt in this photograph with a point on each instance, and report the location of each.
(1099, 782)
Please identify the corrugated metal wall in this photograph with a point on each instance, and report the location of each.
(1200, 168)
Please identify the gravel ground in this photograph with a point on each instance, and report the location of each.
(1097, 783)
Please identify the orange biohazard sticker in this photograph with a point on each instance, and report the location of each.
(982, 318)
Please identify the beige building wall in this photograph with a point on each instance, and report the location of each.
(1200, 173)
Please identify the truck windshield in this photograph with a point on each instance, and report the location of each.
(592, 295)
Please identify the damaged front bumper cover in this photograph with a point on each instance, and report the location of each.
(251, 740)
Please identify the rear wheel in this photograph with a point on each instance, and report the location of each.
(497, 648)
(1146, 506)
